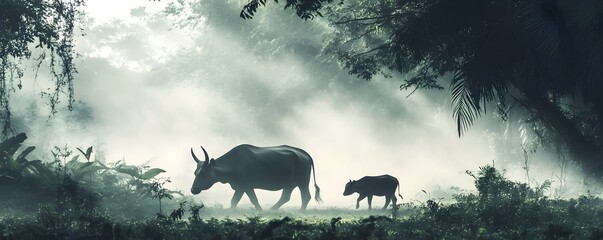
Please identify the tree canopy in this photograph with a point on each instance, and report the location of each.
(542, 56)
(41, 30)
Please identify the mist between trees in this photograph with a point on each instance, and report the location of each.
(533, 64)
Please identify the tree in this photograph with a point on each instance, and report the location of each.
(542, 55)
(48, 27)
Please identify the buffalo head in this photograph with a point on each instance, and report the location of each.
(350, 188)
(204, 173)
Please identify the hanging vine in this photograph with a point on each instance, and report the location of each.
(47, 26)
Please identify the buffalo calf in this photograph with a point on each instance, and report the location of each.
(369, 186)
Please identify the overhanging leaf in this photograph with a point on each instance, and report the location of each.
(86, 168)
(151, 173)
(83, 166)
(21, 157)
(129, 170)
(73, 160)
(10, 146)
(11, 163)
(465, 108)
(40, 168)
(175, 192)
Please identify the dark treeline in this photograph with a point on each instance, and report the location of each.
(536, 61)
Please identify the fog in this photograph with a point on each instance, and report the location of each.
(149, 90)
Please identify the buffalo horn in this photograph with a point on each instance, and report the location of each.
(195, 157)
(205, 152)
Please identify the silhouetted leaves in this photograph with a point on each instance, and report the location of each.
(16, 167)
(151, 173)
(465, 107)
(50, 25)
(88, 152)
(544, 55)
(305, 9)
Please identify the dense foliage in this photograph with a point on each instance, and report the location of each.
(44, 29)
(73, 187)
(305, 9)
(536, 60)
(67, 198)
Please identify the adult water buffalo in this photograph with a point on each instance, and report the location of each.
(369, 186)
(247, 167)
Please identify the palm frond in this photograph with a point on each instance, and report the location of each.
(466, 108)
(543, 20)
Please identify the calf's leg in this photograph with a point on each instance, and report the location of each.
(359, 199)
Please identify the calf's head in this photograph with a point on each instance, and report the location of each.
(204, 173)
(350, 188)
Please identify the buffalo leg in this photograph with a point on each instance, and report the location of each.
(305, 196)
(358, 200)
(285, 196)
(253, 199)
(236, 198)
(387, 200)
(394, 201)
(370, 200)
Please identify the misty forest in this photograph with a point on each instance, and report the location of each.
(301, 119)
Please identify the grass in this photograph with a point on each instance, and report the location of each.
(309, 214)
(501, 209)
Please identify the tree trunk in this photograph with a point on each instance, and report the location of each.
(581, 149)
(598, 107)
